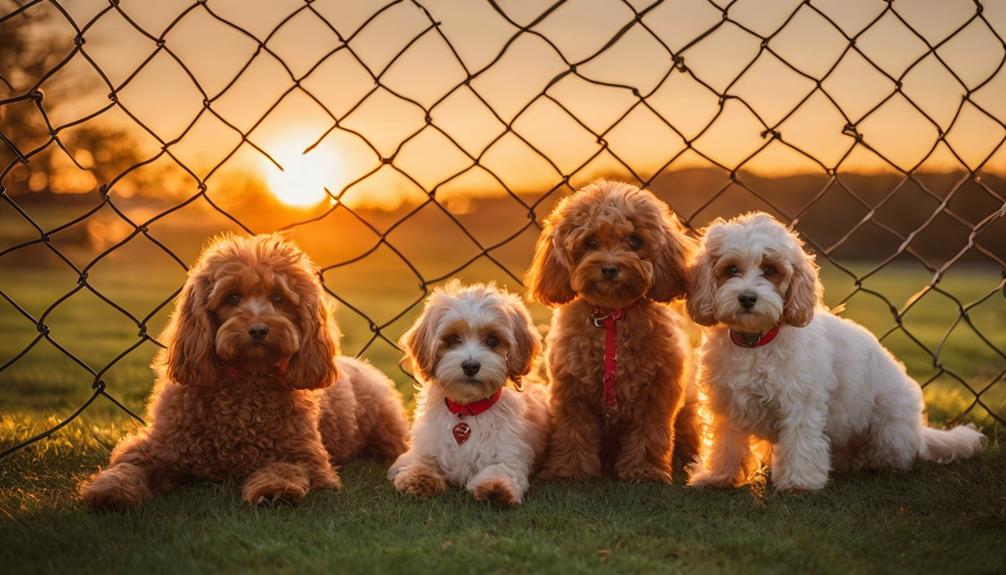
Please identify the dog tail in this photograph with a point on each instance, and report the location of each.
(946, 445)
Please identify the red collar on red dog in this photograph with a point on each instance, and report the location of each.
(608, 319)
(278, 372)
(744, 339)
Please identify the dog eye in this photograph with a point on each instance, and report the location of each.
(276, 298)
(233, 299)
(732, 271)
(768, 270)
(591, 243)
(492, 341)
(635, 242)
(452, 340)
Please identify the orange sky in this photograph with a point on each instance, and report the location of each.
(166, 99)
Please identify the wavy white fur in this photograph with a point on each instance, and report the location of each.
(462, 324)
(825, 393)
(504, 443)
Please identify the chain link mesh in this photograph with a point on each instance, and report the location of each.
(833, 184)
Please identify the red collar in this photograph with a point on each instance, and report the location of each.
(744, 339)
(608, 319)
(474, 408)
(277, 372)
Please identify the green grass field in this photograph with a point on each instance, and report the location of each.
(936, 519)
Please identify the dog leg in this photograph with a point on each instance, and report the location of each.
(500, 484)
(277, 481)
(801, 459)
(574, 450)
(728, 462)
(645, 453)
(117, 488)
(129, 480)
(418, 477)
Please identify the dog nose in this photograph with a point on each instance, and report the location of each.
(609, 271)
(470, 367)
(747, 300)
(258, 331)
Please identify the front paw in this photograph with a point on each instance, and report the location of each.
(643, 473)
(498, 490)
(117, 488)
(287, 484)
(419, 482)
(567, 472)
(706, 478)
(794, 484)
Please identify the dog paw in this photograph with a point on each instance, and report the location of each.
(647, 473)
(566, 473)
(497, 490)
(328, 479)
(788, 485)
(419, 482)
(707, 479)
(117, 488)
(269, 486)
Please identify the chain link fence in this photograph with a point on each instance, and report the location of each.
(861, 226)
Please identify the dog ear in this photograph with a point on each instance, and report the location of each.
(702, 283)
(670, 266)
(313, 366)
(420, 343)
(548, 276)
(527, 342)
(804, 290)
(190, 335)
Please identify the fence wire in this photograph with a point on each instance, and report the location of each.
(675, 62)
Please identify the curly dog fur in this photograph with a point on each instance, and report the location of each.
(615, 225)
(249, 387)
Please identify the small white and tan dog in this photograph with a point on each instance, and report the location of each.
(470, 428)
(781, 367)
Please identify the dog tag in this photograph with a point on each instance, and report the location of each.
(461, 432)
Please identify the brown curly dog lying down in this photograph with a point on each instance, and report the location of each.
(609, 259)
(250, 388)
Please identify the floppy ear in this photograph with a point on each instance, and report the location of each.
(702, 284)
(313, 366)
(548, 278)
(804, 291)
(527, 343)
(670, 266)
(190, 335)
(420, 343)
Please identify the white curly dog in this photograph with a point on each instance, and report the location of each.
(779, 366)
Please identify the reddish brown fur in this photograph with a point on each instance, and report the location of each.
(651, 348)
(225, 408)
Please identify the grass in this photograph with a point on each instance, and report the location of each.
(935, 519)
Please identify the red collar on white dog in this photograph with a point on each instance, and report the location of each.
(474, 408)
(608, 319)
(462, 430)
(745, 339)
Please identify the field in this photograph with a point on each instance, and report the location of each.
(937, 519)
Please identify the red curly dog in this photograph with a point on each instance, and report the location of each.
(245, 387)
(608, 257)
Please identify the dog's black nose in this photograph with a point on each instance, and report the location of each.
(470, 367)
(747, 299)
(609, 271)
(258, 331)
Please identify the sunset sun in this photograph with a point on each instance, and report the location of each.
(302, 181)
